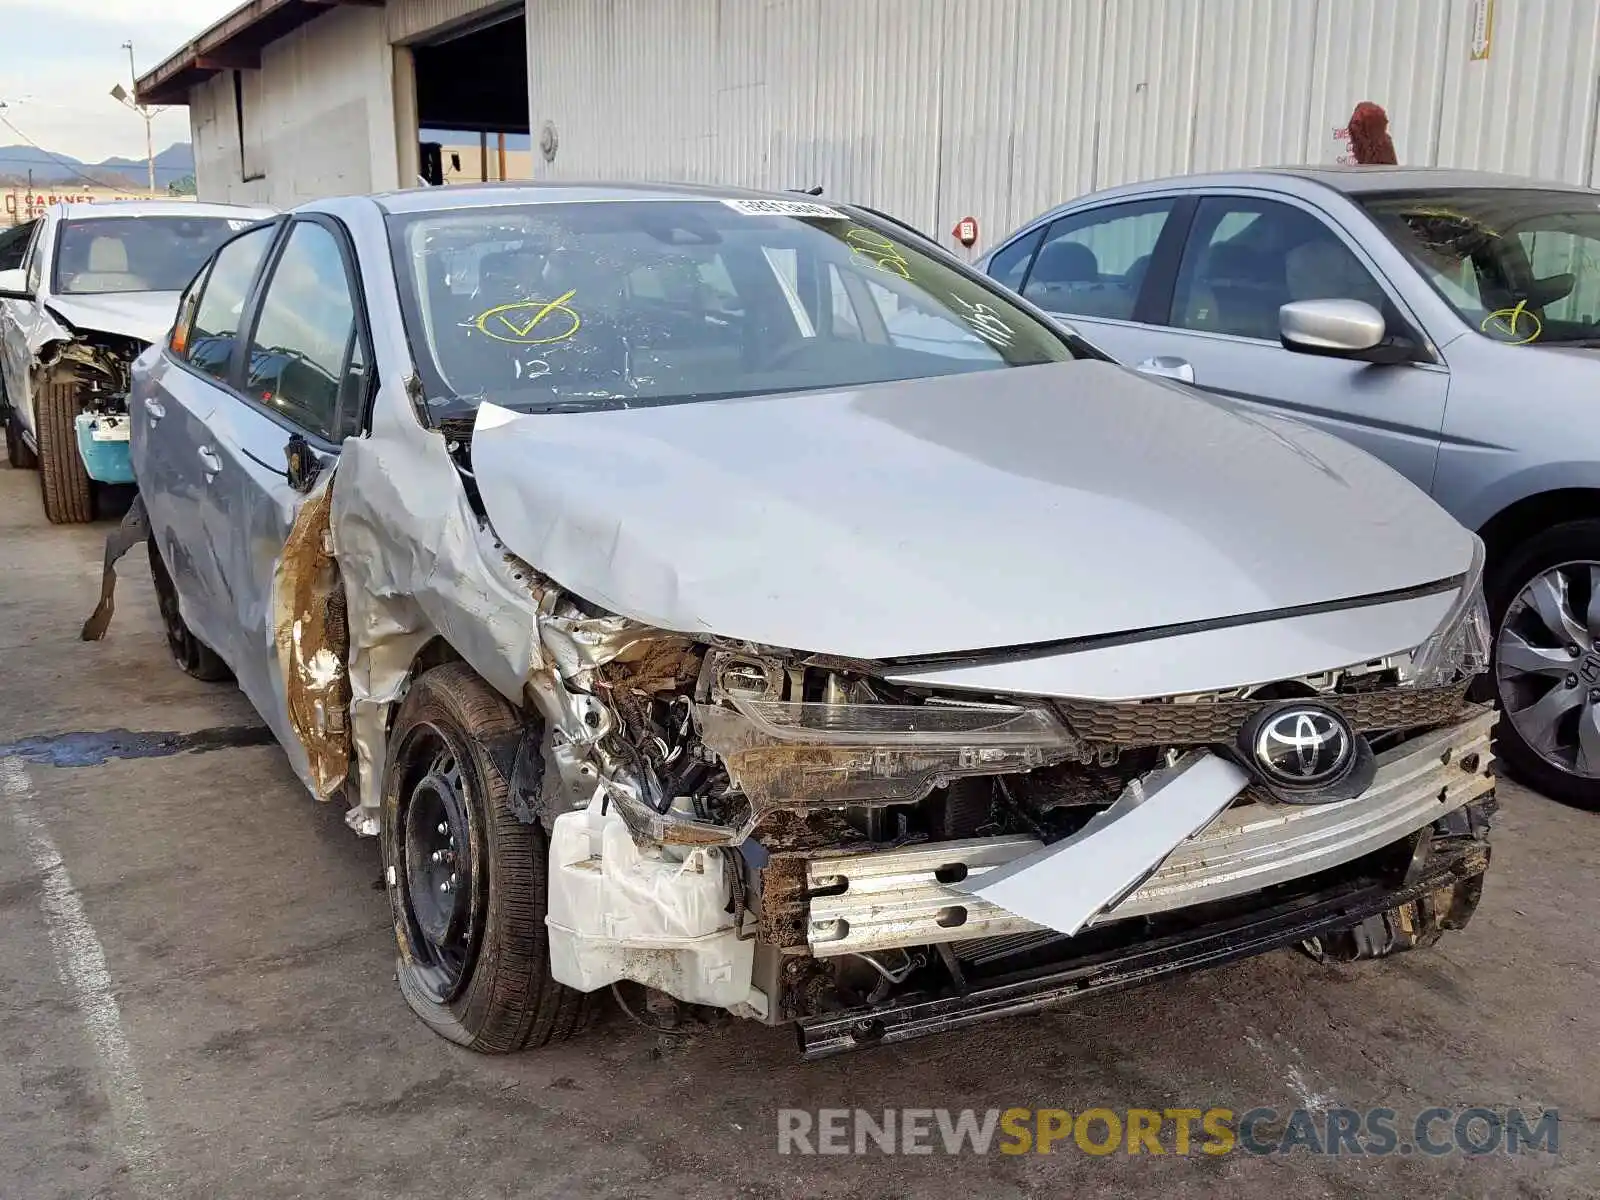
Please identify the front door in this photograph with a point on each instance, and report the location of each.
(304, 381)
(1244, 258)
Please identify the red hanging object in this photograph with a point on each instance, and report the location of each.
(1370, 142)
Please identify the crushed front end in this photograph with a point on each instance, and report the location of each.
(90, 372)
(796, 838)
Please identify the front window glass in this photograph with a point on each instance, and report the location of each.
(1246, 258)
(136, 254)
(615, 304)
(207, 341)
(1520, 265)
(305, 333)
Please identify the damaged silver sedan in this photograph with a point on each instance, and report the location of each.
(736, 596)
(84, 288)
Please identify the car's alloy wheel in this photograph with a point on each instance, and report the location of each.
(1547, 667)
(1545, 599)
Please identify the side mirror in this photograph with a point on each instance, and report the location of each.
(14, 285)
(1342, 329)
(303, 465)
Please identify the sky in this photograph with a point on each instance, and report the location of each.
(60, 58)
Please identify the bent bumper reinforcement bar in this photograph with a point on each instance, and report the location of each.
(1289, 925)
(894, 898)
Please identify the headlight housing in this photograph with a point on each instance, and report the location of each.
(1459, 648)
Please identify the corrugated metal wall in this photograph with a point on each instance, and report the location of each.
(406, 20)
(936, 109)
(318, 116)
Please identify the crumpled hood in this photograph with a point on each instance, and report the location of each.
(964, 512)
(147, 316)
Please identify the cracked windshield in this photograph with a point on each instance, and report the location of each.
(610, 305)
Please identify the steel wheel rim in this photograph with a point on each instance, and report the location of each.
(1547, 666)
(435, 860)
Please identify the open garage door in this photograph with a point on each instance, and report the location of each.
(472, 100)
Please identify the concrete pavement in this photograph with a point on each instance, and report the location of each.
(196, 996)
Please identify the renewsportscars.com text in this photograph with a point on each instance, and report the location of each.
(1376, 1132)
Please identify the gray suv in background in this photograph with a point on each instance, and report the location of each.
(1446, 321)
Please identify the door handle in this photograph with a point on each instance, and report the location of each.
(155, 410)
(1167, 366)
(210, 461)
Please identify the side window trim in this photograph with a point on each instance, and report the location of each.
(1042, 228)
(1153, 306)
(1036, 231)
(33, 258)
(188, 308)
(363, 335)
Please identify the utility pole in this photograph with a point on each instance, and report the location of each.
(144, 110)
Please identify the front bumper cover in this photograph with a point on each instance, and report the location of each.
(867, 902)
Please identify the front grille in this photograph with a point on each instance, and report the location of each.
(1202, 722)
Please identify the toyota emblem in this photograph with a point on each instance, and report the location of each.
(1304, 747)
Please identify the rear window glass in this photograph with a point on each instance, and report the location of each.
(136, 254)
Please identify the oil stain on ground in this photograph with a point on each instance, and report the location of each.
(92, 749)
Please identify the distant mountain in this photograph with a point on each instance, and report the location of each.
(172, 164)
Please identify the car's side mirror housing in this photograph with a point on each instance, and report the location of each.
(1343, 329)
(14, 285)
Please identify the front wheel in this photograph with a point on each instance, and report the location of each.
(1544, 599)
(467, 879)
(65, 485)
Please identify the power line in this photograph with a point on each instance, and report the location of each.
(60, 162)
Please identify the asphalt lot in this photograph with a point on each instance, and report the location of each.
(196, 997)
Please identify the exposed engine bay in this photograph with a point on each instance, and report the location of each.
(93, 369)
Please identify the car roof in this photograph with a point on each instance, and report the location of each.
(163, 208)
(431, 199)
(1348, 180)
(1356, 179)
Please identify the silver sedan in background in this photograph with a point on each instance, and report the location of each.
(1447, 321)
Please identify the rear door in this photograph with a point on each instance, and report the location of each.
(1246, 255)
(170, 439)
(302, 389)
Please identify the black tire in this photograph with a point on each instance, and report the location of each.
(1568, 542)
(192, 655)
(67, 489)
(18, 453)
(481, 976)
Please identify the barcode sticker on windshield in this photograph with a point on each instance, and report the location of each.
(784, 208)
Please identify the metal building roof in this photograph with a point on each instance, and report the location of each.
(234, 42)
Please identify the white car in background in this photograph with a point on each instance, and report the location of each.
(83, 290)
